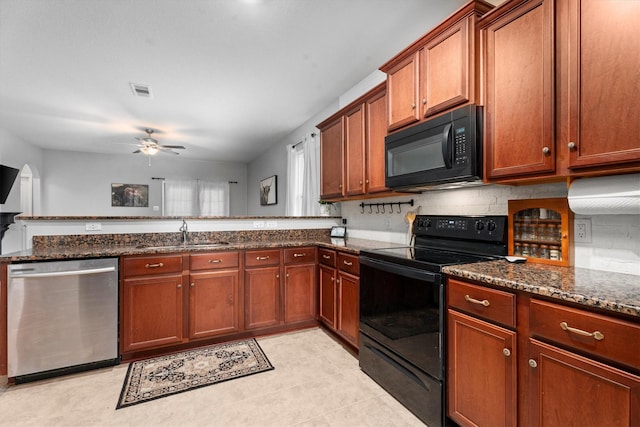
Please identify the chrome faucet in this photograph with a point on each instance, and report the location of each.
(184, 229)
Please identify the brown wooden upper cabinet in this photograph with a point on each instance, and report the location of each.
(438, 71)
(352, 148)
(560, 100)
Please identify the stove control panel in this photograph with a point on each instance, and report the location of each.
(485, 228)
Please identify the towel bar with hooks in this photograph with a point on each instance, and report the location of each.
(391, 205)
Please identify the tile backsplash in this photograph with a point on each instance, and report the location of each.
(615, 244)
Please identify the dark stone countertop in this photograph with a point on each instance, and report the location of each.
(54, 253)
(606, 290)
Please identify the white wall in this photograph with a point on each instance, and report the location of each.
(80, 183)
(615, 242)
(16, 153)
(274, 162)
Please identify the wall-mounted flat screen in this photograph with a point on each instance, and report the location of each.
(7, 178)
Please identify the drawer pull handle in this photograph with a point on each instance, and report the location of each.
(298, 255)
(215, 261)
(347, 263)
(158, 265)
(596, 335)
(484, 302)
(326, 256)
(262, 258)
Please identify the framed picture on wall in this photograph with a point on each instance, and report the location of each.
(130, 195)
(269, 191)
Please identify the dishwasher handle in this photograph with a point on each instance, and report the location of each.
(63, 273)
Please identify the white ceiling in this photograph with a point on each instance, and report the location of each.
(229, 77)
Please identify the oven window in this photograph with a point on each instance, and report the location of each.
(403, 314)
(417, 156)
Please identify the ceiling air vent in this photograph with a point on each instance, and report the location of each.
(141, 90)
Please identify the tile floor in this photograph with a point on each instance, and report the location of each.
(315, 383)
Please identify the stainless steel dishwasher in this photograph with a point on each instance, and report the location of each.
(62, 317)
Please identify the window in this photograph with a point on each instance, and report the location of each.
(303, 179)
(196, 198)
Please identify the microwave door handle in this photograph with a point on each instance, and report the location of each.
(447, 146)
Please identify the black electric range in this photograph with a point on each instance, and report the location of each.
(402, 306)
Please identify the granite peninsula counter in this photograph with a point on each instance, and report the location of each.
(614, 292)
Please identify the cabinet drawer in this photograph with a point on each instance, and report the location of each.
(139, 266)
(299, 255)
(490, 304)
(599, 335)
(214, 260)
(262, 257)
(349, 263)
(327, 257)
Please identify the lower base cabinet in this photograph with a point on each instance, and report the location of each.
(214, 306)
(571, 390)
(556, 366)
(339, 277)
(152, 312)
(262, 297)
(481, 387)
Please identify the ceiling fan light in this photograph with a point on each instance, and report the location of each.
(149, 151)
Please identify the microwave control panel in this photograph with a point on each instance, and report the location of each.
(460, 146)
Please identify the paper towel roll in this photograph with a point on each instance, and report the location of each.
(608, 195)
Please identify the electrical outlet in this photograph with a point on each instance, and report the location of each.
(272, 224)
(582, 231)
(258, 224)
(93, 226)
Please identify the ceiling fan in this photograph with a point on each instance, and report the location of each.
(150, 146)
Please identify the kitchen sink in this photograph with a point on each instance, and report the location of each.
(195, 245)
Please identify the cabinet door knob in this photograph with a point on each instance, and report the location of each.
(571, 145)
(484, 302)
(277, 276)
(413, 106)
(287, 275)
(179, 285)
(193, 284)
(596, 335)
(424, 101)
(360, 182)
(506, 352)
(546, 150)
(533, 363)
(366, 180)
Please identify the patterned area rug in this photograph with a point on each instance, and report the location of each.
(175, 373)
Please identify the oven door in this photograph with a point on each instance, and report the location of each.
(402, 308)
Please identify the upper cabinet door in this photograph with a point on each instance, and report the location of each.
(445, 66)
(519, 95)
(604, 82)
(354, 124)
(402, 93)
(376, 129)
(331, 159)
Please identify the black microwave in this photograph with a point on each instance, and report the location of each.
(443, 150)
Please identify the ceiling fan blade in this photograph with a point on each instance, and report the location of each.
(175, 147)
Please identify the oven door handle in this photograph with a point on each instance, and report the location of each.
(401, 270)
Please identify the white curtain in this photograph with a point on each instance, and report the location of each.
(213, 198)
(303, 179)
(196, 198)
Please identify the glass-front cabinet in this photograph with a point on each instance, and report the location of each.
(541, 230)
